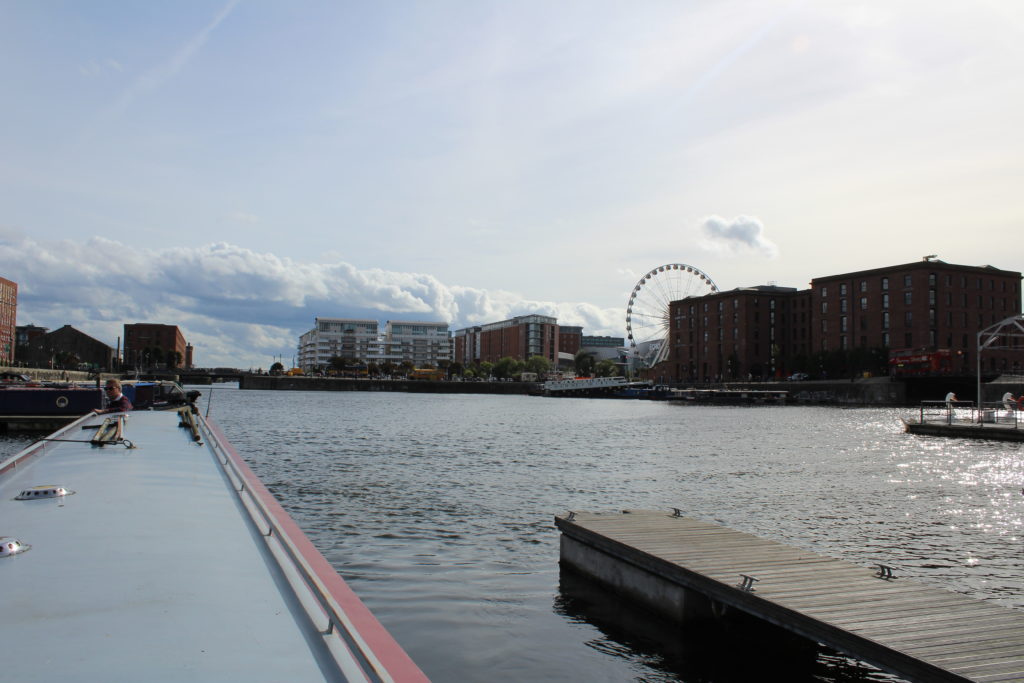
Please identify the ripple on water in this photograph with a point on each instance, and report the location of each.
(438, 509)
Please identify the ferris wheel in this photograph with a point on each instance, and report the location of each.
(647, 314)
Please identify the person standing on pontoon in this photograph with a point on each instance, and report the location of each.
(951, 399)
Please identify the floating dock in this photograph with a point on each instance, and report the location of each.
(686, 568)
(994, 422)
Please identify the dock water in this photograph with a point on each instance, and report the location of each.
(686, 569)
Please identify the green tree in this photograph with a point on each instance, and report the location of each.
(455, 369)
(407, 367)
(372, 369)
(507, 367)
(606, 368)
(538, 364)
(276, 368)
(584, 362)
(485, 370)
(338, 364)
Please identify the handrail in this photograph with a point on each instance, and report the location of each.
(372, 667)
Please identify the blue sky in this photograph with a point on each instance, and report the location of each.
(238, 168)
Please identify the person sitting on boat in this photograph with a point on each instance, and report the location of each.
(951, 399)
(1008, 400)
(116, 401)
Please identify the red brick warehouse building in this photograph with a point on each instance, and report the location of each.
(767, 331)
(155, 345)
(8, 319)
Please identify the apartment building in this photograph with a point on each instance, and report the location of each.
(421, 343)
(520, 338)
(357, 340)
(361, 342)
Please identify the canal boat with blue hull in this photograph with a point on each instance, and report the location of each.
(44, 406)
(140, 546)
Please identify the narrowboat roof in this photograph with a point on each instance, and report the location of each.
(169, 561)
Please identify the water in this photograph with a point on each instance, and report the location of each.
(437, 509)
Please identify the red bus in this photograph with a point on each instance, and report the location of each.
(920, 362)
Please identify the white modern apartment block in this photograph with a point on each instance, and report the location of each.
(360, 341)
(357, 340)
(420, 343)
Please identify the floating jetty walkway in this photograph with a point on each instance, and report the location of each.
(684, 567)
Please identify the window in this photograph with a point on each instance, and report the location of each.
(931, 279)
(908, 298)
(908, 339)
(842, 289)
(885, 301)
(843, 324)
(908, 281)
(842, 305)
(824, 292)
(863, 303)
(908, 318)
(885, 283)
(863, 285)
(885, 320)
(931, 297)
(885, 339)
(824, 307)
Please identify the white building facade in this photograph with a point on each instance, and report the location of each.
(361, 342)
(420, 343)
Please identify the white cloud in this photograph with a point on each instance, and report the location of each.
(239, 307)
(743, 234)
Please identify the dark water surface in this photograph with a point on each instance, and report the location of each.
(437, 509)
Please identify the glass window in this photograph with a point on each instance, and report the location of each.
(908, 281)
(863, 285)
(908, 298)
(885, 301)
(842, 289)
(863, 303)
(885, 283)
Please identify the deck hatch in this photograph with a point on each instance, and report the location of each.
(46, 491)
(12, 546)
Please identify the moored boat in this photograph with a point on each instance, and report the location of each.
(140, 546)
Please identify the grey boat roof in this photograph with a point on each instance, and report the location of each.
(169, 561)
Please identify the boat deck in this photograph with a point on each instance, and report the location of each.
(156, 569)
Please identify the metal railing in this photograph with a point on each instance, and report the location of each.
(966, 413)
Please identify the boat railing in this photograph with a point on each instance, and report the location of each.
(966, 413)
(273, 523)
(947, 412)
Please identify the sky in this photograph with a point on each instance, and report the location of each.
(239, 168)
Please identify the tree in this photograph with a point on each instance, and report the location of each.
(338, 364)
(584, 362)
(538, 364)
(485, 370)
(276, 368)
(606, 368)
(507, 367)
(388, 368)
(372, 369)
(407, 367)
(455, 369)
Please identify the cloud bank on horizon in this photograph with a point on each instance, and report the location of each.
(239, 308)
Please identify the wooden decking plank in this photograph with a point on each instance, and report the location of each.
(909, 621)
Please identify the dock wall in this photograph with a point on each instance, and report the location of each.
(282, 383)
